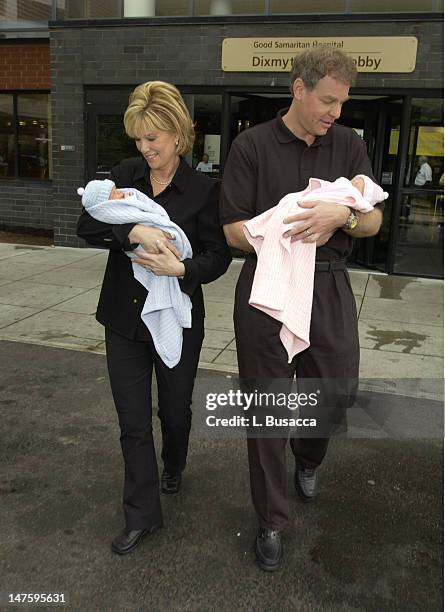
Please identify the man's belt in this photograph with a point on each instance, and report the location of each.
(320, 266)
(330, 266)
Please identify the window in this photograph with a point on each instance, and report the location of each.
(25, 136)
(307, 6)
(32, 12)
(7, 148)
(81, 9)
(172, 8)
(354, 6)
(229, 7)
(25, 10)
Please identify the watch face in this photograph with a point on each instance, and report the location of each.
(353, 222)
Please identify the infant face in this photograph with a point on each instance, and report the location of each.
(358, 183)
(117, 194)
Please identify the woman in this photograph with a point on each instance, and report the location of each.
(158, 121)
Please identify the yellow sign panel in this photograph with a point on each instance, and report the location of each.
(370, 53)
(429, 141)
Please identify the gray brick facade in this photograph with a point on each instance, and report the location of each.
(187, 55)
(26, 204)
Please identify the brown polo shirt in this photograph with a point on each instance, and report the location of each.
(268, 161)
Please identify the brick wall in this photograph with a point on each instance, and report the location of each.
(26, 204)
(24, 66)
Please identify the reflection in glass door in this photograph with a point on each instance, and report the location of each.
(247, 110)
(387, 134)
(419, 248)
(112, 143)
(377, 120)
(206, 112)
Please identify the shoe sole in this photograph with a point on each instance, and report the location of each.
(129, 550)
(266, 567)
(303, 497)
(167, 492)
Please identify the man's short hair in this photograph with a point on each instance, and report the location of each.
(314, 64)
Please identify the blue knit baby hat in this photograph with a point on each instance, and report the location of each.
(95, 192)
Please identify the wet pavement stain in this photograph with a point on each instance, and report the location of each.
(27, 247)
(391, 288)
(383, 337)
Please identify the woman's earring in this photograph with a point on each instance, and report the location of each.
(177, 143)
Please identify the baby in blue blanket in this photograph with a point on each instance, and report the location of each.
(167, 310)
(100, 190)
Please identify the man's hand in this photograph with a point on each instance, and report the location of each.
(164, 263)
(150, 239)
(317, 222)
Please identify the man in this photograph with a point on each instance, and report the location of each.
(204, 165)
(424, 175)
(265, 163)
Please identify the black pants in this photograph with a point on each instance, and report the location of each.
(130, 366)
(333, 354)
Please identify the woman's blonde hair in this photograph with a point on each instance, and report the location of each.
(158, 105)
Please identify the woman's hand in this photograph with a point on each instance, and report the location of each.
(317, 222)
(164, 263)
(150, 238)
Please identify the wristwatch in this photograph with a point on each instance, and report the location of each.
(351, 221)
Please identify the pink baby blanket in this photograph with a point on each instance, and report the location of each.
(284, 278)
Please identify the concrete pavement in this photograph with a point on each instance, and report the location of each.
(48, 296)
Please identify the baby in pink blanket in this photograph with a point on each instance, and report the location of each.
(369, 190)
(284, 277)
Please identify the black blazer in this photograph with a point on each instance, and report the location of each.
(192, 203)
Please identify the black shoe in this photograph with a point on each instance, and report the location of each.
(170, 483)
(268, 549)
(306, 481)
(126, 541)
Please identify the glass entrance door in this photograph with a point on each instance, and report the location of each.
(418, 226)
(377, 120)
(107, 142)
(411, 238)
(247, 110)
